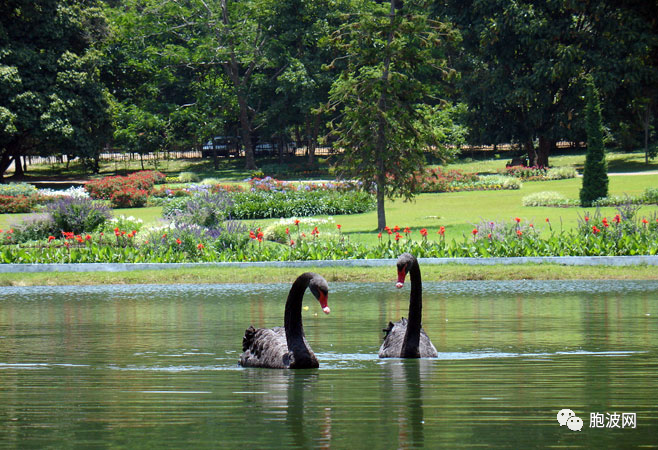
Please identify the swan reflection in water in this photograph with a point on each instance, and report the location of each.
(404, 378)
(283, 396)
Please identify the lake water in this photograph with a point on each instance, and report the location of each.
(156, 367)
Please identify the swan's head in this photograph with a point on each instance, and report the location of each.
(405, 261)
(320, 290)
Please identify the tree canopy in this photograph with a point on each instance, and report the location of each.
(77, 76)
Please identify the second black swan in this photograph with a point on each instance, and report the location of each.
(406, 338)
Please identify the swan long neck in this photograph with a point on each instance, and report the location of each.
(292, 321)
(411, 343)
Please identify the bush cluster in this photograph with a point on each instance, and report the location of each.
(540, 173)
(271, 204)
(125, 191)
(437, 180)
(65, 214)
(549, 198)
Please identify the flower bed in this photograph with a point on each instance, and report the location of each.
(125, 191)
(621, 234)
(437, 180)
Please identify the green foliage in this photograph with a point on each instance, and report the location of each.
(77, 215)
(595, 172)
(188, 177)
(51, 96)
(267, 204)
(384, 97)
(548, 198)
(16, 189)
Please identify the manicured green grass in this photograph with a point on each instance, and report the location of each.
(459, 212)
(448, 272)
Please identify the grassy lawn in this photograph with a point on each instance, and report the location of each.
(448, 272)
(458, 211)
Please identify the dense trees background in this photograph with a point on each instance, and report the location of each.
(146, 76)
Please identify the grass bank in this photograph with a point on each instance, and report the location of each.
(454, 272)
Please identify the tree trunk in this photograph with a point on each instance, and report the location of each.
(380, 148)
(532, 153)
(646, 134)
(544, 150)
(232, 69)
(245, 123)
(18, 173)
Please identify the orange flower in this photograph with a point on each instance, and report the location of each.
(517, 220)
(51, 238)
(442, 230)
(200, 246)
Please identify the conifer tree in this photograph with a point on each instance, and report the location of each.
(595, 172)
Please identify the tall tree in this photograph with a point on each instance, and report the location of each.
(524, 61)
(51, 100)
(595, 173)
(383, 98)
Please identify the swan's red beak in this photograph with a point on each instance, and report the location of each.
(402, 273)
(323, 303)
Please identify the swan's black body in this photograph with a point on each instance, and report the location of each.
(286, 347)
(406, 338)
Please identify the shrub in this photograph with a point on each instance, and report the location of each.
(78, 215)
(548, 198)
(208, 210)
(17, 190)
(526, 173)
(651, 195)
(129, 197)
(10, 204)
(188, 177)
(268, 204)
(34, 227)
(129, 191)
(595, 172)
(561, 173)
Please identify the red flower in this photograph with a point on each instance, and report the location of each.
(292, 242)
(339, 226)
(87, 237)
(519, 233)
(489, 236)
(617, 219)
(595, 230)
(296, 221)
(547, 220)
(396, 229)
(287, 231)
(397, 236)
(200, 246)
(379, 235)
(51, 238)
(178, 241)
(645, 221)
(586, 218)
(423, 232)
(475, 231)
(164, 236)
(442, 230)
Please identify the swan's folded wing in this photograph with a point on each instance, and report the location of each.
(265, 347)
(392, 345)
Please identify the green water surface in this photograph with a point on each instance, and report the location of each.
(156, 367)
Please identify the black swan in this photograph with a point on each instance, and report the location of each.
(286, 347)
(406, 338)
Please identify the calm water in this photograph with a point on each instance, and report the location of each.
(156, 367)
